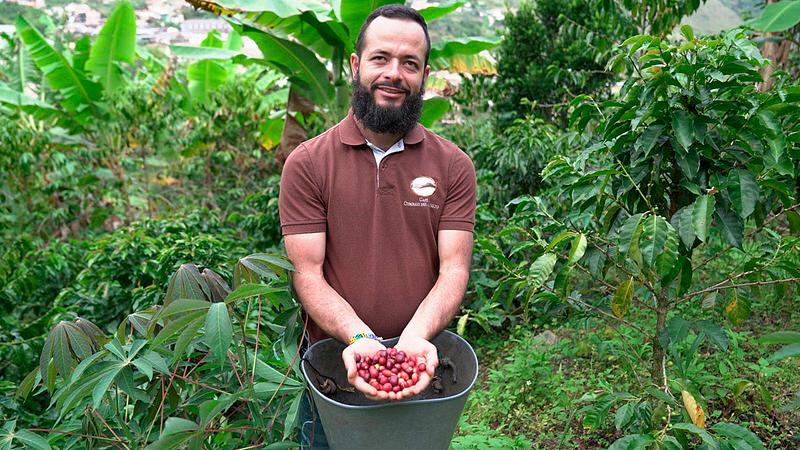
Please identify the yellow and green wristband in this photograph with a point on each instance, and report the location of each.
(358, 336)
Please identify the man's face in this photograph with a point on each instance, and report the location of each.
(389, 76)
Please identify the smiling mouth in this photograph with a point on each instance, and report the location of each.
(390, 90)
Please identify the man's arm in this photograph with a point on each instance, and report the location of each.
(442, 302)
(328, 309)
(439, 306)
(320, 301)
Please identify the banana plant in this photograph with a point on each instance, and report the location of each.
(310, 42)
(80, 79)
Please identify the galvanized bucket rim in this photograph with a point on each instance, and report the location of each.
(391, 404)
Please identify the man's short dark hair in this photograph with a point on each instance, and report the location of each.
(395, 12)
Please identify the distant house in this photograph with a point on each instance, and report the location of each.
(159, 12)
(204, 26)
(78, 13)
(31, 3)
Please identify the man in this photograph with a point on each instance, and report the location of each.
(378, 212)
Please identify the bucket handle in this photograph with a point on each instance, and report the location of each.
(327, 385)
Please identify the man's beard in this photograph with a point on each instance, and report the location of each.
(385, 119)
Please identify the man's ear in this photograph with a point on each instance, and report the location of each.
(353, 65)
(427, 72)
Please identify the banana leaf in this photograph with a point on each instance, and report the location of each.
(115, 44)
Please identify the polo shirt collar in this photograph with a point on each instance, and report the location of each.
(350, 134)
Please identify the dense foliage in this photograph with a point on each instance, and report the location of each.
(552, 51)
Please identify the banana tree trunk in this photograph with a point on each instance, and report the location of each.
(293, 133)
(775, 48)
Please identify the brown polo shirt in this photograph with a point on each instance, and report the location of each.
(381, 223)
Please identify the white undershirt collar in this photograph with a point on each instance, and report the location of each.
(380, 154)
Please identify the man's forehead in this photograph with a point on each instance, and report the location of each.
(387, 31)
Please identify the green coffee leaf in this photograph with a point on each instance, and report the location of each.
(682, 222)
(558, 238)
(683, 128)
(738, 308)
(624, 415)
(787, 351)
(731, 226)
(632, 442)
(778, 16)
(714, 332)
(578, 249)
(702, 211)
(540, 270)
(648, 139)
(736, 432)
(621, 302)
(744, 192)
(627, 232)
(706, 437)
(794, 222)
(686, 31)
(653, 240)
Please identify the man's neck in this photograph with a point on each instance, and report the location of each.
(381, 140)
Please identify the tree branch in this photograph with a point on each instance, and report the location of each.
(734, 286)
(598, 310)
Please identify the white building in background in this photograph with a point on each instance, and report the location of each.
(204, 26)
(160, 12)
(80, 18)
(31, 3)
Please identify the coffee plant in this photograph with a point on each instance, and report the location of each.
(690, 169)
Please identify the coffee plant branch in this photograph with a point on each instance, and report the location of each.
(734, 286)
(750, 234)
(598, 310)
(612, 288)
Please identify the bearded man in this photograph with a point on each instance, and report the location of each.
(378, 212)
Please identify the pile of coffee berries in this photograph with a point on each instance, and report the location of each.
(389, 370)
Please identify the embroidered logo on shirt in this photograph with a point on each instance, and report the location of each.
(423, 186)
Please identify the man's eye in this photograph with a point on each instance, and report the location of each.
(378, 58)
(411, 64)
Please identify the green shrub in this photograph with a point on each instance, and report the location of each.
(552, 51)
(126, 270)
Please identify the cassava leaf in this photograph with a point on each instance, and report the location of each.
(219, 331)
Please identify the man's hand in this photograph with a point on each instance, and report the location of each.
(363, 347)
(425, 353)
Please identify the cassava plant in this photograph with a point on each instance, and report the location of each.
(210, 367)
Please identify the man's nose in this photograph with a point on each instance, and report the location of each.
(392, 72)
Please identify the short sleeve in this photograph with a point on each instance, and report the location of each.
(300, 201)
(459, 207)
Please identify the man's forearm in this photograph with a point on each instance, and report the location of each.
(440, 305)
(328, 309)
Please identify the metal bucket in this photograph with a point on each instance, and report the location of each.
(426, 421)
